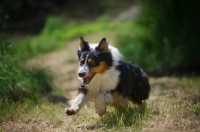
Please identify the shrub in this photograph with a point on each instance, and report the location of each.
(164, 35)
(16, 82)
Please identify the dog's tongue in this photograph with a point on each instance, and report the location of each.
(86, 80)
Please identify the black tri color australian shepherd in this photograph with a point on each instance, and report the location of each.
(107, 80)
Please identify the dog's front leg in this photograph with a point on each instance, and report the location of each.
(101, 101)
(77, 103)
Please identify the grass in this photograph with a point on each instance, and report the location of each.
(173, 105)
(20, 88)
(115, 119)
(18, 82)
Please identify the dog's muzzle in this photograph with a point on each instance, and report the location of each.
(82, 71)
(81, 74)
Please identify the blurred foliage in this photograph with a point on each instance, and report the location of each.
(16, 82)
(14, 8)
(55, 33)
(164, 36)
(74, 7)
(28, 16)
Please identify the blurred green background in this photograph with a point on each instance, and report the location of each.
(161, 36)
(164, 38)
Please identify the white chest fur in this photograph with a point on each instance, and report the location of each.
(106, 81)
(103, 82)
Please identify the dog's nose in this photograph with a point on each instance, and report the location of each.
(81, 74)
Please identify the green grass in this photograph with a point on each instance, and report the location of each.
(178, 108)
(33, 111)
(118, 119)
(17, 83)
(127, 119)
(56, 33)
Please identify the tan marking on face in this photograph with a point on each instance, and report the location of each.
(99, 69)
(82, 59)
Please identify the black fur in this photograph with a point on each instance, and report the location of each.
(96, 55)
(83, 90)
(134, 82)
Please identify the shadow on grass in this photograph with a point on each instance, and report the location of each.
(44, 80)
(57, 98)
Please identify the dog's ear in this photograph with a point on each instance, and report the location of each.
(83, 45)
(103, 45)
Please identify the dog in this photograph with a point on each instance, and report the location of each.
(107, 80)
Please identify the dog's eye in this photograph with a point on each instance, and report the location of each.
(92, 63)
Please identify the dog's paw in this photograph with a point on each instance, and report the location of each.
(70, 112)
(100, 109)
(100, 112)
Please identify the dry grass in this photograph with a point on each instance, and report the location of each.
(174, 103)
(177, 102)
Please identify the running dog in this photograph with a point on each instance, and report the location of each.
(106, 79)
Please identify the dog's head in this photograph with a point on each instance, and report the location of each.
(93, 60)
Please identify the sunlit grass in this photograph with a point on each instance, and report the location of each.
(177, 109)
(129, 117)
(31, 111)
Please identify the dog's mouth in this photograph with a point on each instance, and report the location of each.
(87, 79)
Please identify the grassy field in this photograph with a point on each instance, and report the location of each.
(173, 105)
(39, 75)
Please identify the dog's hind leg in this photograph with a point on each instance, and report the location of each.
(77, 103)
(142, 105)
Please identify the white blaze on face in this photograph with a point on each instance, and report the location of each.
(82, 69)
